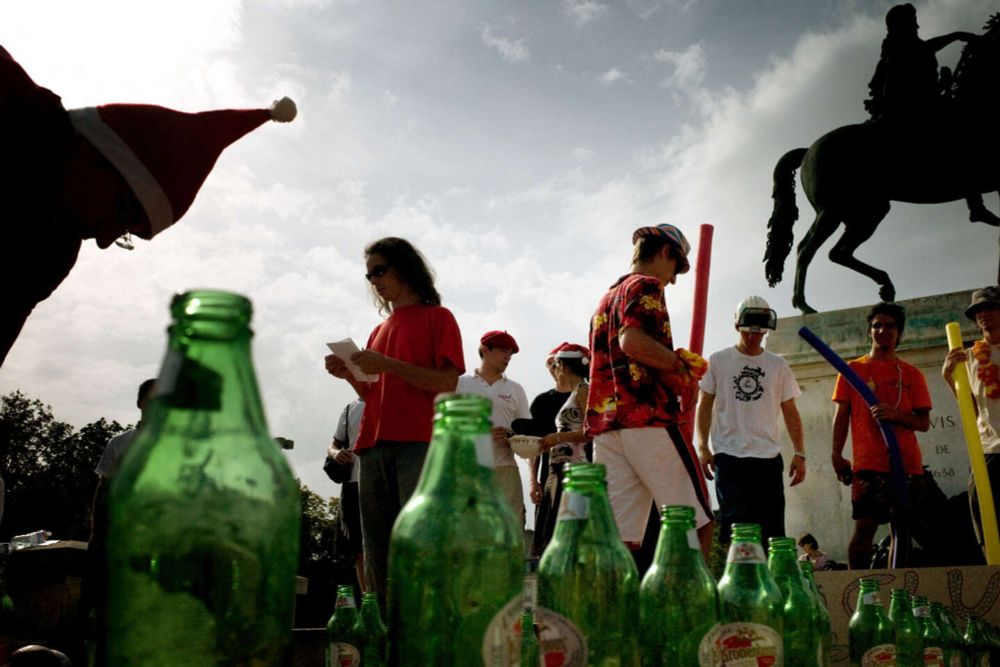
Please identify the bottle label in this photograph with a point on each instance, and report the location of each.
(871, 599)
(344, 655)
(956, 659)
(740, 645)
(693, 540)
(484, 451)
(934, 656)
(882, 655)
(573, 507)
(922, 612)
(746, 552)
(559, 641)
(345, 601)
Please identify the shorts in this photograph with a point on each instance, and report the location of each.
(873, 496)
(647, 464)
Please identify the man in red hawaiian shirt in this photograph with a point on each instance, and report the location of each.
(637, 385)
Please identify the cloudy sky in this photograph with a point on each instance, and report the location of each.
(517, 143)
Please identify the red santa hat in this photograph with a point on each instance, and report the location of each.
(573, 351)
(166, 155)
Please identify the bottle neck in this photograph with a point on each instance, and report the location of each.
(746, 557)
(869, 600)
(585, 511)
(784, 565)
(460, 458)
(207, 378)
(678, 543)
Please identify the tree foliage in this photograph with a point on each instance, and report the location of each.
(48, 468)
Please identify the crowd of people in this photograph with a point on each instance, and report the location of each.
(620, 401)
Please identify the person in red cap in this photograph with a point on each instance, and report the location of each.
(103, 173)
(638, 383)
(509, 403)
(416, 354)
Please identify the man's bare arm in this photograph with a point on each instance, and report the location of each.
(437, 380)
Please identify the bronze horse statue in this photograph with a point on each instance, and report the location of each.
(852, 173)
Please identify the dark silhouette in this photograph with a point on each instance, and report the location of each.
(103, 173)
(910, 152)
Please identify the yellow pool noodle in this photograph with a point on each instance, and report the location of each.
(963, 392)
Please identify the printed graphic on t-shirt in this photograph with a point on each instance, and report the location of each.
(748, 383)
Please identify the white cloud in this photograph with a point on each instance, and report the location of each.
(513, 51)
(688, 75)
(611, 77)
(582, 12)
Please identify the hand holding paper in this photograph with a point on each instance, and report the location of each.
(345, 349)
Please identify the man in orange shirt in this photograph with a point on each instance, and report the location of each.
(905, 402)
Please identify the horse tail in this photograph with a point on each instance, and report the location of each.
(784, 215)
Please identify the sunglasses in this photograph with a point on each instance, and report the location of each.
(377, 272)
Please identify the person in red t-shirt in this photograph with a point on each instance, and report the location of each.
(905, 402)
(416, 353)
(637, 385)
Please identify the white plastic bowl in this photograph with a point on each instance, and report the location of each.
(525, 446)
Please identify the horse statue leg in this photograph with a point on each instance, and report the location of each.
(822, 228)
(857, 231)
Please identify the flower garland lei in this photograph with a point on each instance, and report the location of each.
(986, 370)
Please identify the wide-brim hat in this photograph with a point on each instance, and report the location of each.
(986, 297)
(674, 236)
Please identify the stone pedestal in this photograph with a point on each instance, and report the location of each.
(821, 505)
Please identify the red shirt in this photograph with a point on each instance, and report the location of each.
(625, 393)
(426, 336)
(895, 383)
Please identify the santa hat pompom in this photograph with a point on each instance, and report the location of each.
(284, 110)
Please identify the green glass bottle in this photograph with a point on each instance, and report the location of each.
(678, 602)
(456, 556)
(959, 654)
(822, 613)
(750, 606)
(204, 513)
(930, 631)
(871, 636)
(588, 584)
(372, 631)
(949, 640)
(344, 633)
(799, 620)
(909, 643)
(976, 642)
(530, 655)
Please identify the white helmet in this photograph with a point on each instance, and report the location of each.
(754, 315)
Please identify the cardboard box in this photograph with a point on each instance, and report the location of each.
(967, 590)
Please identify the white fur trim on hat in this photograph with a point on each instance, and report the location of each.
(147, 189)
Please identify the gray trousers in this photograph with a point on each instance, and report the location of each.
(388, 476)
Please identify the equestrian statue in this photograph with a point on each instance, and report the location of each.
(931, 139)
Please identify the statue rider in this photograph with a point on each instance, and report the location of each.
(905, 91)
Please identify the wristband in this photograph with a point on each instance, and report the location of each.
(800, 455)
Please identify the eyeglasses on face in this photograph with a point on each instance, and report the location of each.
(377, 272)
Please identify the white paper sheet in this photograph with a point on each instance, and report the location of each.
(344, 349)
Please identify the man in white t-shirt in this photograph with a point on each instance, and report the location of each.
(743, 394)
(509, 403)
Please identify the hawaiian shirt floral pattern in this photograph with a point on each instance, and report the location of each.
(623, 392)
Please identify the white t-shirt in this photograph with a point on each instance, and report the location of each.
(113, 453)
(748, 394)
(509, 403)
(348, 428)
(989, 408)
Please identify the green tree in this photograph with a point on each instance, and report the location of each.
(48, 468)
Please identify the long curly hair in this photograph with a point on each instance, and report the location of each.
(411, 267)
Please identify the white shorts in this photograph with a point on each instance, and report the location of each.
(647, 464)
(509, 480)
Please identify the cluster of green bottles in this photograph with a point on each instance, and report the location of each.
(915, 632)
(355, 639)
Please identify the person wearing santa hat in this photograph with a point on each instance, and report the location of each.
(510, 402)
(567, 443)
(104, 173)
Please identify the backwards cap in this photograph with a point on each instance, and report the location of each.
(166, 155)
(674, 237)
